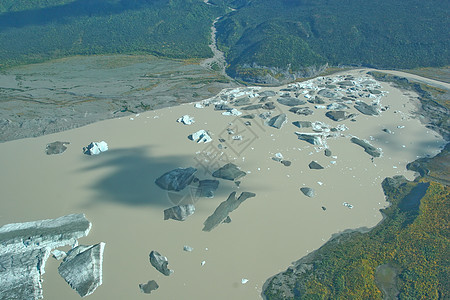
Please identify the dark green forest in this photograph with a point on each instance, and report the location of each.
(259, 37)
(293, 34)
(37, 30)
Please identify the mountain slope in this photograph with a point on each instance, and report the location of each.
(381, 33)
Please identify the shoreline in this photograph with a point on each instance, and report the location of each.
(106, 186)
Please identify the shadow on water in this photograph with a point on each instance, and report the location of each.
(78, 8)
(131, 175)
(421, 148)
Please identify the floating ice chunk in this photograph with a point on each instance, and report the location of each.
(319, 183)
(186, 120)
(58, 254)
(95, 148)
(232, 112)
(198, 105)
(203, 263)
(346, 204)
(200, 136)
(244, 280)
(188, 248)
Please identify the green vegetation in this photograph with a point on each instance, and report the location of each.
(414, 244)
(295, 34)
(37, 30)
(280, 40)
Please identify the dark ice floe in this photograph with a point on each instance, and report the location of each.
(277, 121)
(308, 191)
(339, 115)
(177, 179)
(290, 101)
(229, 172)
(148, 287)
(160, 263)
(251, 107)
(364, 108)
(302, 124)
(56, 147)
(316, 139)
(315, 165)
(207, 187)
(222, 211)
(305, 111)
(368, 148)
(179, 212)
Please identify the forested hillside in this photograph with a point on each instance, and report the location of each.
(36, 30)
(263, 40)
(293, 34)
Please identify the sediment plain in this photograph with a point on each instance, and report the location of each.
(117, 191)
(87, 89)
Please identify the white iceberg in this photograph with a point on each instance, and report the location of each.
(95, 148)
(186, 120)
(200, 136)
(232, 112)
